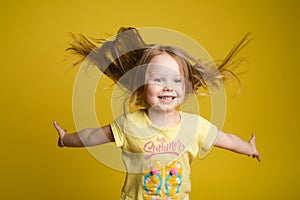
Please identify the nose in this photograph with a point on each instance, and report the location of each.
(167, 87)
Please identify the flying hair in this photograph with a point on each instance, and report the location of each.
(127, 50)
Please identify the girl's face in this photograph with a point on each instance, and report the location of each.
(165, 83)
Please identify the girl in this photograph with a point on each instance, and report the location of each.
(158, 141)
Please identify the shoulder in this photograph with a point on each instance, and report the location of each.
(137, 117)
(193, 117)
(132, 123)
(197, 123)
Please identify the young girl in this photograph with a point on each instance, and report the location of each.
(158, 140)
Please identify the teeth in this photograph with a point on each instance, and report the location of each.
(167, 98)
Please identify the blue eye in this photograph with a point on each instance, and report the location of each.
(159, 80)
(178, 81)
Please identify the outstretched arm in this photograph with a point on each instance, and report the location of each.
(85, 137)
(233, 143)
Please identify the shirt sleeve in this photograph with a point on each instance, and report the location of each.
(208, 136)
(117, 132)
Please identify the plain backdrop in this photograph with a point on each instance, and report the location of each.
(37, 82)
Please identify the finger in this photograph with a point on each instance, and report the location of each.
(258, 158)
(253, 138)
(57, 126)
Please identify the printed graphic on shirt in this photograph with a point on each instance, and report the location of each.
(173, 180)
(156, 177)
(152, 180)
(161, 145)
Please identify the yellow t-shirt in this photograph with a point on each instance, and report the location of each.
(158, 160)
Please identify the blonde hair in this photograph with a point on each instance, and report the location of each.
(128, 50)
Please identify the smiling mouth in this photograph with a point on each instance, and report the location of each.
(167, 98)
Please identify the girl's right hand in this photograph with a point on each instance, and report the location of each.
(61, 134)
(255, 153)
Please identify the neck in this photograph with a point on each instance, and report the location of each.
(163, 118)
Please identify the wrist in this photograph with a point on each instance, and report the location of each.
(62, 142)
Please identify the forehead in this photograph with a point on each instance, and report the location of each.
(163, 63)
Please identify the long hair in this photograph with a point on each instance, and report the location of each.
(113, 57)
(128, 50)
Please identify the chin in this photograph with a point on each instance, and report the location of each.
(164, 108)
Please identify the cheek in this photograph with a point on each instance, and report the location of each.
(153, 89)
(151, 92)
(180, 90)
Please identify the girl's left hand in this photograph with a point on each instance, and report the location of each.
(61, 134)
(255, 153)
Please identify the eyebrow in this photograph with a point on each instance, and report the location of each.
(156, 74)
(164, 72)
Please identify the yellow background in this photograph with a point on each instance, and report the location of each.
(37, 81)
